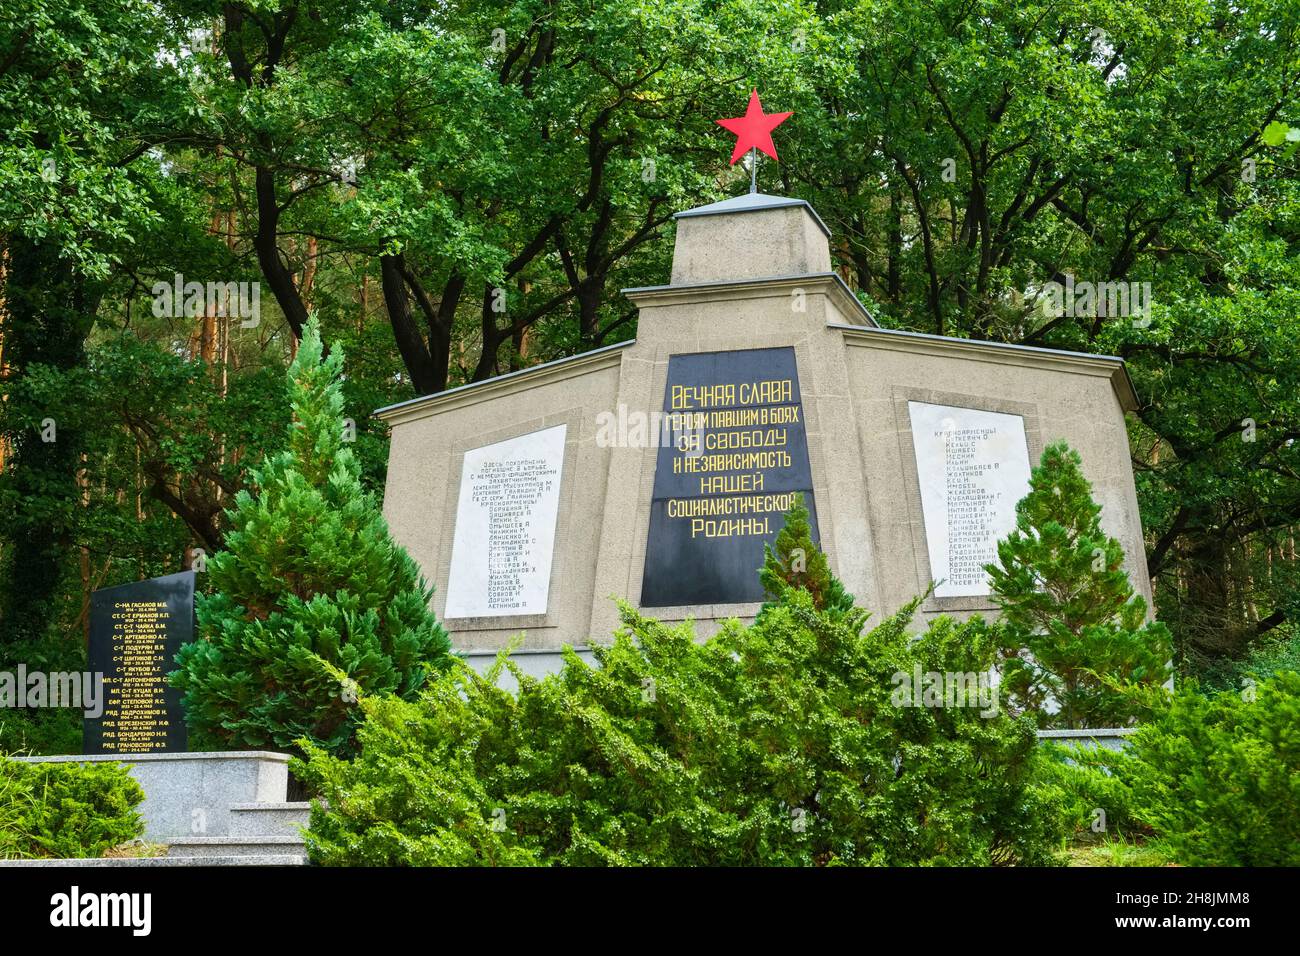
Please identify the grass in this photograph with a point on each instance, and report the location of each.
(1116, 851)
(135, 849)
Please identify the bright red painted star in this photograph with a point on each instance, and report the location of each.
(754, 129)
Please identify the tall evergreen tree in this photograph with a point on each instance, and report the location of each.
(309, 574)
(1073, 630)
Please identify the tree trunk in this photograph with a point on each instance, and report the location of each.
(1210, 625)
(267, 242)
(415, 354)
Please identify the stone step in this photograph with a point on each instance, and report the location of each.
(204, 847)
(177, 784)
(268, 819)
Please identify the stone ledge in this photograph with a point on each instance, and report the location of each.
(156, 757)
(1108, 738)
(280, 859)
(190, 794)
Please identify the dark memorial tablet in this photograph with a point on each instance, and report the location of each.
(135, 632)
(738, 455)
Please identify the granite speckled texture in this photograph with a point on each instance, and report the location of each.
(191, 794)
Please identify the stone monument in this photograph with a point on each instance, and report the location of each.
(135, 632)
(654, 469)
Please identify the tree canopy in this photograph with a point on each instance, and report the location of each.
(459, 189)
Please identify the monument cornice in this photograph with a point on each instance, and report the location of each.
(825, 283)
(473, 392)
(754, 202)
(1112, 366)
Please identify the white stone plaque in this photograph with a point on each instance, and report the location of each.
(505, 526)
(973, 467)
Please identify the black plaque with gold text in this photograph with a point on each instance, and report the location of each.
(135, 633)
(738, 455)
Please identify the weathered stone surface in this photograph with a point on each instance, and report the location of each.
(779, 236)
(268, 819)
(223, 846)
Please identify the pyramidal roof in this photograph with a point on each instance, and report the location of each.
(752, 202)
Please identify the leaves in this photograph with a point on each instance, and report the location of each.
(1218, 777)
(774, 744)
(1071, 627)
(309, 586)
(66, 810)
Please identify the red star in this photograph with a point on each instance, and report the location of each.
(754, 129)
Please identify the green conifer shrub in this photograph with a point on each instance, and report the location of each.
(1073, 630)
(1217, 777)
(794, 561)
(309, 574)
(780, 743)
(1096, 799)
(66, 810)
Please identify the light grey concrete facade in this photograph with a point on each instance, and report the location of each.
(748, 273)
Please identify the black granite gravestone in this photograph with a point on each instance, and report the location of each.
(135, 632)
(723, 485)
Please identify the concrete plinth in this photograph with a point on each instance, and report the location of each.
(1109, 738)
(191, 794)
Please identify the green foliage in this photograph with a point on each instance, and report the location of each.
(41, 730)
(572, 179)
(413, 796)
(309, 574)
(795, 561)
(48, 731)
(1218, 777)
(83, 84)
(134, 151)
(774, 744)
(66, 810)
(1073, 631)
(1086, 781)
(1272, 658)
(153, 431)
(1268, 657)
(15, 810)
(1117, 852)
(1080, 145)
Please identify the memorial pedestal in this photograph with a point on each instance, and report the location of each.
(189, 795)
